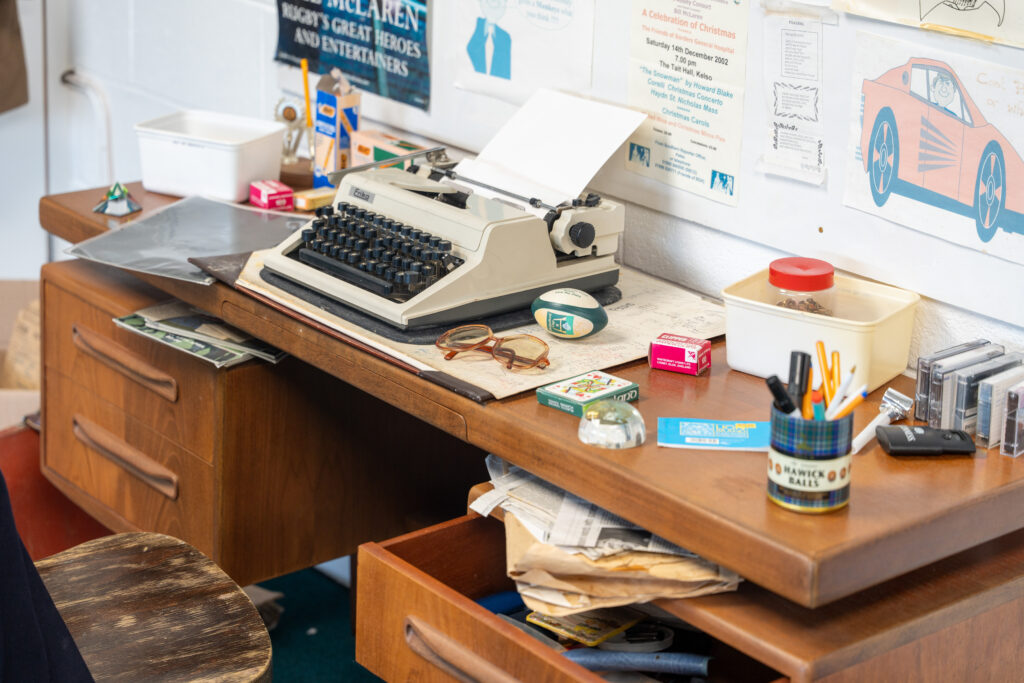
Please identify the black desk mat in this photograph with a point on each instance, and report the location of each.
(422, 335)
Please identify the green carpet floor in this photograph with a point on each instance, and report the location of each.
(314, 640)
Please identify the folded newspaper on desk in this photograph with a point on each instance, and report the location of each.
(568, 556)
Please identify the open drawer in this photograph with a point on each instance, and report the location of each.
(416, 594)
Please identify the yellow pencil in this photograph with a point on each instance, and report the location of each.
(826, 376)
(305, 91)
(327, 156)
(837, 376)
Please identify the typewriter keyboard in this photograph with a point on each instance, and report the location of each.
(389, 258)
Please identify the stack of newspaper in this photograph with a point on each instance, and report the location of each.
(188, 329)
(568, 556)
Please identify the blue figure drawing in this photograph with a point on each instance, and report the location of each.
(640, 154)
(490, 47)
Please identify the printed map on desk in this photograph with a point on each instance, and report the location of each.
(744, 435)
(648, 307)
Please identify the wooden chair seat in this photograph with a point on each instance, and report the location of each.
(145, 606)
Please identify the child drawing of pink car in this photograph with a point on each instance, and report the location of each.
(923, 137)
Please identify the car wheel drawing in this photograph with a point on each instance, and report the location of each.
(990, 192)
(885, 156)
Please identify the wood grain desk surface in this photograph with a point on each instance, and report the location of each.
(904, 513)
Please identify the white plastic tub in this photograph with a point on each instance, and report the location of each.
(206, 153)
(871, 329)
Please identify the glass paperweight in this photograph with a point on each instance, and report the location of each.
(612, 424)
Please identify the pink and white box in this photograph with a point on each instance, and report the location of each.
(270, 194)
(680, 354)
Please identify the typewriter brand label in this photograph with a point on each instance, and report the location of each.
(359, 193)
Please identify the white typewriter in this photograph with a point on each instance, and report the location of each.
(424, 246)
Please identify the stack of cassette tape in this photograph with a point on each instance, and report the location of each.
(977, 387)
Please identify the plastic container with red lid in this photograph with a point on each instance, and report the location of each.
(803, 284)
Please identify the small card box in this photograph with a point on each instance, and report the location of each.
(680, 354)
(270, 194)
(573, 395)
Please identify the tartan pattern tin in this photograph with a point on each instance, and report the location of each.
(812, 439)
(801, 501)
(809, 466)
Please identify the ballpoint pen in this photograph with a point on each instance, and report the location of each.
(832, 413)
(844, 388)
(847, 406)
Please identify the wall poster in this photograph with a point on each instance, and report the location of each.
(510, 48)
(795, 146)
(687, 70)
(380, 45)
(936, 144)
(1000, 21)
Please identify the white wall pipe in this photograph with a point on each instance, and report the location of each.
(97, 96)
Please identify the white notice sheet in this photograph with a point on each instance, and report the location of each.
(687, 69)
(793, 80)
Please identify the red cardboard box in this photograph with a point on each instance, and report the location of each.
(680, 354)
(270, 194)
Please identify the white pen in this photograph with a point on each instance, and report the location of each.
(842, 390)
(836, 407)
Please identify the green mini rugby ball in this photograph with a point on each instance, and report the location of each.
(569, 313)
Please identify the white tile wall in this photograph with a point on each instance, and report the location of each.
(152, 58)
(200, 54)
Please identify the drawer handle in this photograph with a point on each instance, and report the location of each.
(134, 461)
(117, 358)
(451, 656)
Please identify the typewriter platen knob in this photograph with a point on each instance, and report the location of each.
(582, 234)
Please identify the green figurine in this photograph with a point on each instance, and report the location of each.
(117, 202)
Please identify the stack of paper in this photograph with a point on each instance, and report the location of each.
(568, 556)
(176, 324)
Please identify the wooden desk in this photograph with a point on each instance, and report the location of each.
(904, 514)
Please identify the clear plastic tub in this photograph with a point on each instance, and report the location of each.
(206, 153)
(871, 328)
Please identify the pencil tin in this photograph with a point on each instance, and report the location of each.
(809, 463)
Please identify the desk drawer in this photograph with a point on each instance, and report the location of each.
(432, 577)
(429, 580)
(125, 474)
(160, 386)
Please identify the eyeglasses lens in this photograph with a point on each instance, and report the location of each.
(465, 338)
(520, 351)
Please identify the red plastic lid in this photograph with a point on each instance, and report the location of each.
(801, 274)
